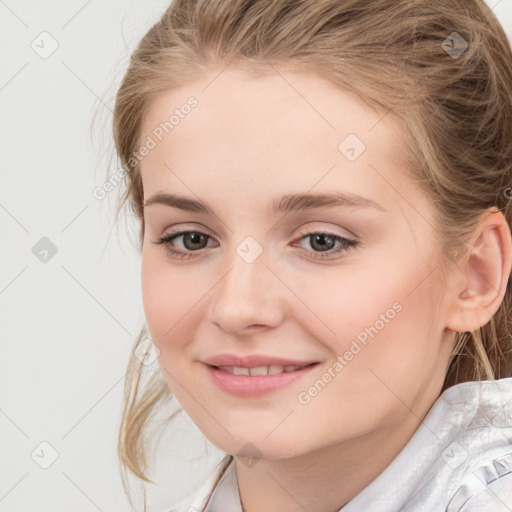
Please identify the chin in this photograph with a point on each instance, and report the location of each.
(261, 448)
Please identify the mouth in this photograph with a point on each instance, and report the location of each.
(273, 369)
(256, 380)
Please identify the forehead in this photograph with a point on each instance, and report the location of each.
(284, 130)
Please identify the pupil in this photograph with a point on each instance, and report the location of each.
(320, 238)
(195, 237)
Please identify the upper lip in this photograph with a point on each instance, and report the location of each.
(253, 361)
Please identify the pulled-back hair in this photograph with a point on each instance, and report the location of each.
(404, 58)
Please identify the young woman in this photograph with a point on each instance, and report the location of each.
(323, 189)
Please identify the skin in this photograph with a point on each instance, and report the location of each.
(250, 141)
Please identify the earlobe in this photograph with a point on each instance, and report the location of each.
(485, 272)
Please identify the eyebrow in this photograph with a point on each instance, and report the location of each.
(287, 203)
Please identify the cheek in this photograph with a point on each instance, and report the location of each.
(384, 348)
(167, 295)
(381, 318)
(172, 306)
(394, 344)
(336, 304)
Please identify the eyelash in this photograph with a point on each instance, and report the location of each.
(167, 239)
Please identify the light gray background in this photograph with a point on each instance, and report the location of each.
(68, 323)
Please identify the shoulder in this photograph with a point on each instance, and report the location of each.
(460, 455)
(489, 487)
(198, 500)
(482, 467)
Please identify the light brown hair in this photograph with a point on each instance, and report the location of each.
(456, 111)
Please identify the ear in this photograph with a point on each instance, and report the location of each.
(480, 287)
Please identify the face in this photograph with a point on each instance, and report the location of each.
(347, 285)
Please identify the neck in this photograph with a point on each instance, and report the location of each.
(328, 478)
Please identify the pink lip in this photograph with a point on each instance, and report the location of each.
(253, 360)
(254, 385)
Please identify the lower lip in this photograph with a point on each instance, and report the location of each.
(255, 385)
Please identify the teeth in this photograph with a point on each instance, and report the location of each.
(240, 371)
(259, 370)
(273, 369)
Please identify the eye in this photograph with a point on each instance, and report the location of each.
(192, 240)
(195, 241)
(323, 242)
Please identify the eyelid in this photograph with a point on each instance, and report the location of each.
(346, 243)
(303, 230)
(179, 228)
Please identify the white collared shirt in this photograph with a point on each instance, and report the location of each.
(458, 460)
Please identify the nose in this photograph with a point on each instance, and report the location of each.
(248, 296)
